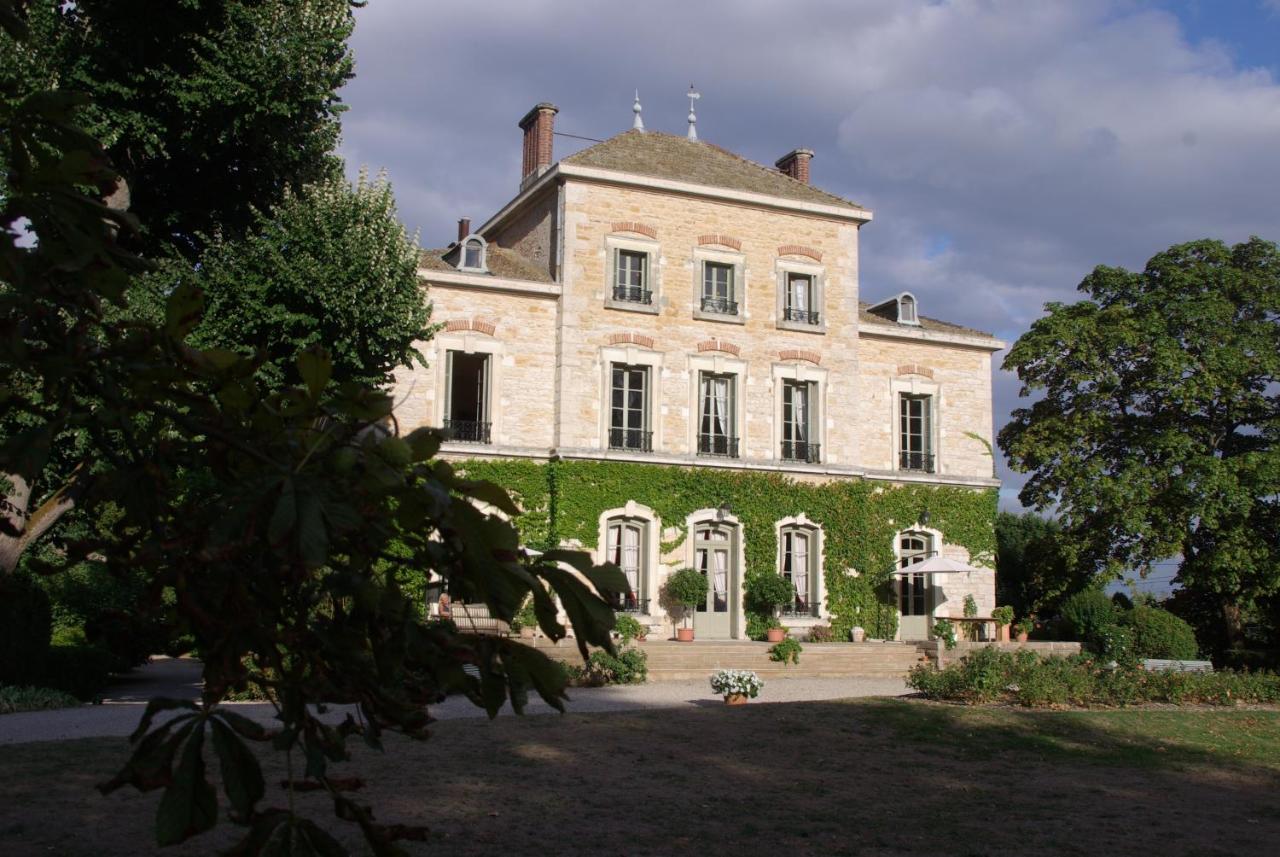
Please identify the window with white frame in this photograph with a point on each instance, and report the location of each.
(631, 277)
(626, 539)
(718, 288)
(717, 423)
(473, 254)
(466, 401)
(800, 302)
(713, 548)
(915, 433)
(799, 442)
(629, 419)
(913, 589)
(798, 565)
(907, 309)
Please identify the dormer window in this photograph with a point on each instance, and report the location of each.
(907, 309)
(473, 254)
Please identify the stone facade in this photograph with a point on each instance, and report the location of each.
(551, 343)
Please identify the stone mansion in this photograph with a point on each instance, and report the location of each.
(653, 315)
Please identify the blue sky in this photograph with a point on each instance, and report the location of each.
(1006, 146)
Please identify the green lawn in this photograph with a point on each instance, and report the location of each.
(858, 777)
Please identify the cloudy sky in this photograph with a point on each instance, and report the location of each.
(1006, 146)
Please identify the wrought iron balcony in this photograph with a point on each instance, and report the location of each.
(718, 444)
(635, 440)
(627, 602)
(919, 461)
(800, 450)
(800, 607)
(722, 306)
(467, 431)
(632, 294)
(804, 316)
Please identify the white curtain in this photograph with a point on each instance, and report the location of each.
(799, 294)
(631, 559)
(721, 581)
(800, 412)
(800, 566)
(720, 407)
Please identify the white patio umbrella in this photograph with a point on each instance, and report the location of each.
(939, 565)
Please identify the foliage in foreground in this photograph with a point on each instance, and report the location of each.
(16, 699)
(990, 675)
(276, 518)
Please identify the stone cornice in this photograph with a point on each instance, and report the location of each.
(486, 282)
(918, 334)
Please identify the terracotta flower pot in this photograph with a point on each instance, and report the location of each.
(1022, 636)
(736, 699)
(775, 635)
(684, 635)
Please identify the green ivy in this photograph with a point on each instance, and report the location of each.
(564, 499)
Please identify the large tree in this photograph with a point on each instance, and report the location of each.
(330, 265)
(1156, 433)
(1032, 572)
(206, 107)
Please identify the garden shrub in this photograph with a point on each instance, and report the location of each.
(1087, 614)
(82, 671)
(787, 651)
(25, 629)
(628, 628)
(1157, 633)
(629, 666)
(16, 699)
(990, 675)
(822, 634)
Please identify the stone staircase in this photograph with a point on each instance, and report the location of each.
(672, 661)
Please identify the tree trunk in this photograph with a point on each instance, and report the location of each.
(1232, 626)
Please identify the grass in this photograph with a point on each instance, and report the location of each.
(858, 777)
(15, 699)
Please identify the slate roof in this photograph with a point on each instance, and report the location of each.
(866, 315)
(666, 156)
(504, 263)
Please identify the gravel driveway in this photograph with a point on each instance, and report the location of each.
(123, 703)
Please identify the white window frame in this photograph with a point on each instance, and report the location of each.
(802, 372)
(631, 355)
(738, 626)
(613, 244)
(817, 565)
(737, 261)
(470, 342)
(717, 364)
(784, 268)
(933, 548)
(483, 267)
(916, 386)
(906, 299)
(650, 547)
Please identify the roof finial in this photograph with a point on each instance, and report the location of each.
(638, 124)
(693, 117)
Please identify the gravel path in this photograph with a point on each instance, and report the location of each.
(123, 704)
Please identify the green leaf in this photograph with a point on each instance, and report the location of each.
(189, 805)
(315, 366)
(182, 310)
(251, 729)
(241, 774)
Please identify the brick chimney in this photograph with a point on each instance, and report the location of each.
(464, 227)
(796, 164)
(538, 125)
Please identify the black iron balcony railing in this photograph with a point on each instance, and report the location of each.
(718, 444)
(723, 306)
(800, 607)
(633, 439)
(804, 316)
(627, 602)
(467, 431)
(799, 450)
(921, 461)
(632, 294)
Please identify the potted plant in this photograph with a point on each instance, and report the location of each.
(686, 588)
(1024, 628)
(736, 686)
(769, 592)
(628, 628)
(786, 652)
(1003, 617)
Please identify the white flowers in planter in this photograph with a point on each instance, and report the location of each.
(743, 682)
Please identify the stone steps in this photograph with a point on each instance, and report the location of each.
(671, 661)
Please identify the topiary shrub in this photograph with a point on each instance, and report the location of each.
(25, 629)
(1157, 633)
(686, 588)
(765, 593)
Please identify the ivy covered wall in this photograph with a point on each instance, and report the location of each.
(563, 501)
